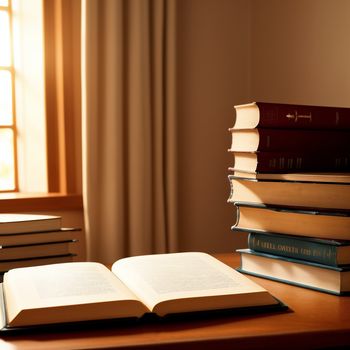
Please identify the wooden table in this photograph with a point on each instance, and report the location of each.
(315, 320)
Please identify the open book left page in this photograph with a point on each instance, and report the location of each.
(66, 292)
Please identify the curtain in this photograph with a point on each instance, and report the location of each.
(129, 127)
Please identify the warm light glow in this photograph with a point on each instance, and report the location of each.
(5, 98)
(7, 156)
(5, 47)
(29, 66)
(22, 98)
(7, 175)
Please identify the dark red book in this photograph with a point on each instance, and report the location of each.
(290, 140)
(290, 116)
(279, 162)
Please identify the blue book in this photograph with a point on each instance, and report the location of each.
(323, 251)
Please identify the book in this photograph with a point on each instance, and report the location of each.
(293, 116)
(160, 284)
(64, 234)
(22, 223)
(324, 278)
(290, 221)
(322, 251)
(6, 265)
(330, 177)
(307, 194)
(290, 140)
(13, 252)
(255, 163)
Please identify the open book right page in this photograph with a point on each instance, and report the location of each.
(186, 282)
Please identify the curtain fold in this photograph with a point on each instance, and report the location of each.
(129, 127)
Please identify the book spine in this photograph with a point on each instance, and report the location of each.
(280, 162)
(303, 117)
(291, 247)
(303, 140)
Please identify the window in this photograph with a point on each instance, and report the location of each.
(8, 129)
(22, 100)
(40, 133)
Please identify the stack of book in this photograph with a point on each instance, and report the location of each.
(30, 240)
(290, 184)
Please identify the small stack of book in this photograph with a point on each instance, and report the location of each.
(30, 240)
(289, 193)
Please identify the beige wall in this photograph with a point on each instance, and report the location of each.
(233, 51)
(213, 75)
(301, 51)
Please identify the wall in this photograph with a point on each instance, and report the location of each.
(230, 52)
(213, 75)
(301, 51)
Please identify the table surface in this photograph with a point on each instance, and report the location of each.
(314, 320)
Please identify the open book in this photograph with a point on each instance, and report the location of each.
(161, 284)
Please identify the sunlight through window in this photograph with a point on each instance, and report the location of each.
(8, 170)
(5, 47)
(5, 98)
(7, 175)
(23, 160)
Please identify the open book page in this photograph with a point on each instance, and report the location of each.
(66, 292)
(180, 282)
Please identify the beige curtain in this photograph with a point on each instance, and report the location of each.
(129, 129)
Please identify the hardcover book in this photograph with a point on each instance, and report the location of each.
(324, 278)
(290, 221)
(290, 140)
(6, 265)
(307, 194)
(160, 284)
(324, 177)
(64, 234)
(322, 251)
(22, 223)
(293, 116)
(255, 163)
(15, 252)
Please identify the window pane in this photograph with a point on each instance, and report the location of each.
(4, 2)
(5, 47)
(5, 98)
(7, 175)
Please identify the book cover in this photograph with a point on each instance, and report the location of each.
(280, 162)
(293, 116)
(23, 223)
(290, 140)
(257, 217)
(303, 194)
(64, 234)
(301, 273)
(322, 251)
(7, 265)
(36, 250)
